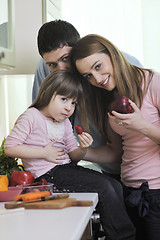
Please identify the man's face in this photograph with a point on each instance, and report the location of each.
(58, 59)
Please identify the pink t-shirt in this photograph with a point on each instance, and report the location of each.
(141, 158)
(35, 130)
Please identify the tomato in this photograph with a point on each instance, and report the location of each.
(21, 178)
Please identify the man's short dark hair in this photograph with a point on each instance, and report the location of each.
(55, 34)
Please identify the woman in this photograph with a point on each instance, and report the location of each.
(107, 75)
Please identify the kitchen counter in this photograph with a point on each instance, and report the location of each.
(56, 224)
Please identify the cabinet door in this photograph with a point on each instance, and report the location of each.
(51, 10)
(7, 53)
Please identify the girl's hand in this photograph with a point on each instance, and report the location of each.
(85, 139)
(134, 121)
(54, 154)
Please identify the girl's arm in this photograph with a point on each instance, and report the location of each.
(85, 141)
(49, 153)
(136, 122)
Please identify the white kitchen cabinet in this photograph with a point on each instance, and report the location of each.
(51, 10)
(7, 49)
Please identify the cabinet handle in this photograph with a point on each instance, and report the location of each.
(2, 55)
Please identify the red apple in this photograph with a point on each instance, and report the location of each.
(120, 105)
(79, 129)
(21, 178)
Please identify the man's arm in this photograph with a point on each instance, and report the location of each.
(41, 73)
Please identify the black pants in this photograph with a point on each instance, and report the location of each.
(115, 176)
(113, 215)
(143, 206)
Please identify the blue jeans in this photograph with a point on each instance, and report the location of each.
(143, 207)
(114, 218)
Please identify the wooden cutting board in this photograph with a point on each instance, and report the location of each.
(51, 204)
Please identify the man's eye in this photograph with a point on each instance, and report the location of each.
(65, 59)
(52, 65)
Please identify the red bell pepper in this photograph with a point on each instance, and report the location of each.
(21, 178)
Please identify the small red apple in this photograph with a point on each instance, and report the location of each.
(120, 105)
(21, 178)
(79, 129)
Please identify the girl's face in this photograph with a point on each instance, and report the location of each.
(59, 108)
(98, 70)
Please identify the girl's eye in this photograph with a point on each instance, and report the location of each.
(64, 99)
(74, 103)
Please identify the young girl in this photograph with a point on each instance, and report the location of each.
(43, 138)
(107, 75)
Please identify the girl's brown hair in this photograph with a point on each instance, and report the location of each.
(62, 83)
(128, 78)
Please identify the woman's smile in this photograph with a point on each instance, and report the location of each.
(106, 81)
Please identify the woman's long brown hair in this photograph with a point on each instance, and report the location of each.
(128, 78)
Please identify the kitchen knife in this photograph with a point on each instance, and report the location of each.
(14, 204)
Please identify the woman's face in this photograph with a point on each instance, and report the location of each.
(98, 70)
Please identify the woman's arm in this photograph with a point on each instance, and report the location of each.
(85, 141)
(108, 153)
(151, 131)
(49, 153)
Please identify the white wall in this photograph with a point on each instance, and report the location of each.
(4, 128)
(151, 33)
(132, 25)
(16, 84)
(15, 97)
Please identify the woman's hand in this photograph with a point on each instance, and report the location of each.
(54, 154)
(134, 121)
(85, 139)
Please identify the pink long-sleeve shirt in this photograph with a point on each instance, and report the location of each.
(33, 129)
(141, 158)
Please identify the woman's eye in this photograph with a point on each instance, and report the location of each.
(88, 76)
(97, 67)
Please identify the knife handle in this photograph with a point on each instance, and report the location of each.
(57, 196)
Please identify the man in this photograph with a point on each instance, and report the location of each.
(55, 41)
